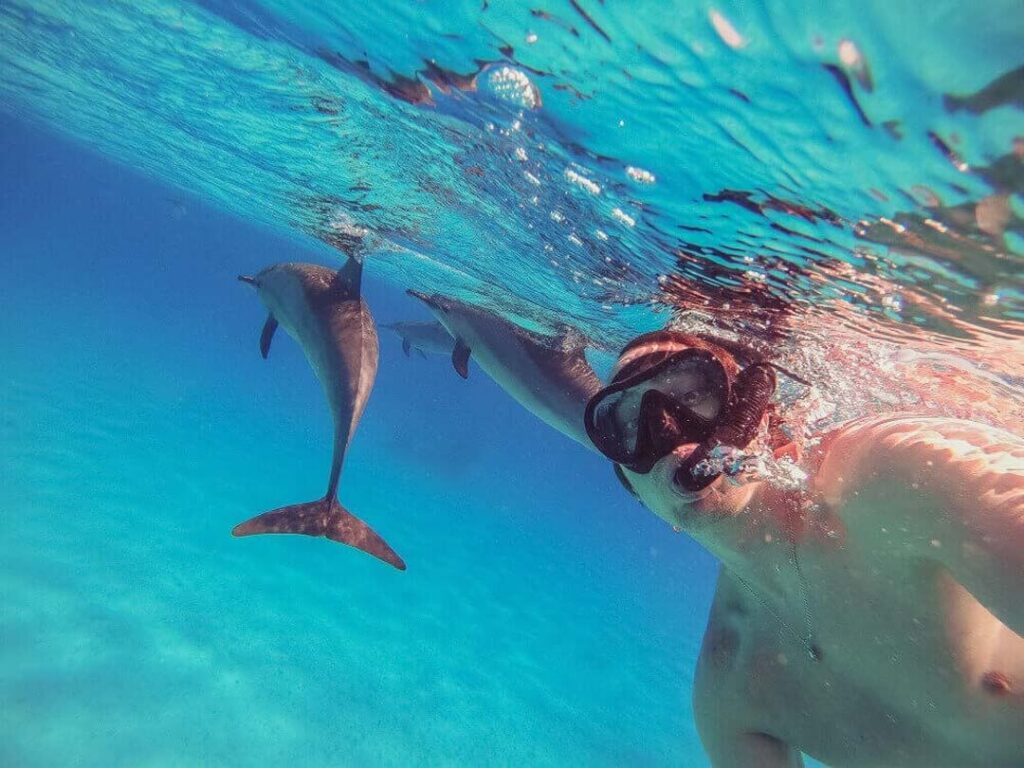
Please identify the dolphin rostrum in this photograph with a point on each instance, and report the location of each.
(427, 337)
(324, 312)
(547, 375)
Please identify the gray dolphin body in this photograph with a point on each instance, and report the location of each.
(432, 338)
(547, 375)
(324, 312)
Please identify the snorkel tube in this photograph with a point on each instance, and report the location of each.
(748, 400)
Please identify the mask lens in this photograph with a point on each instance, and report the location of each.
(616, 420)
(693, 381)
(699, 384)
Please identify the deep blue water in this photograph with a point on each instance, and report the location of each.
(545, 619)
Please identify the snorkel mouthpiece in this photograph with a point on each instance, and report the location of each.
(748, 401)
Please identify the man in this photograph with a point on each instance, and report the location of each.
(873, 618)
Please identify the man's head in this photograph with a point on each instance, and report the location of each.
(674, 398)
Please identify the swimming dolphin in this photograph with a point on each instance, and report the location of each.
(324, 312)
(423, 337)
(547, 375)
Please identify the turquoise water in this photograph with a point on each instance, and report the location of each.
(510, 181)
(140, 425)
(610, 166)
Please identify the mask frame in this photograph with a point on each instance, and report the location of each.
(662, 422)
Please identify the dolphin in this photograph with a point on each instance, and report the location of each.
(324, 312)
(423, 337)
(547, 375)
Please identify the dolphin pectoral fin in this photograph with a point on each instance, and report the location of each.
(460, 358)
(406, 347)
(268, 335)
(323, 517)
(422, 353)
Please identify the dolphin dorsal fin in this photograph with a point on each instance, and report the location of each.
(351, 276)
(268, 335)
(460, 358)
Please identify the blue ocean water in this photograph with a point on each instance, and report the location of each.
(818, 177)
(544, 619)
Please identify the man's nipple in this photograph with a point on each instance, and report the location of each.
(995, 683)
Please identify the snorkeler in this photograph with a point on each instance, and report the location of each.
(873, 618)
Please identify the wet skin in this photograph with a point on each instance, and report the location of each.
(874, 621)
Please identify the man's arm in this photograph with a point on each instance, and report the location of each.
(953, 490)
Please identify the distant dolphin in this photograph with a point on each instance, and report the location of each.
(547, 375)
(323, 311)
(423, 337)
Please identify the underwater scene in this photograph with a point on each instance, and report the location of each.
(491, 383)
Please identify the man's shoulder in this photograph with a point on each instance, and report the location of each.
(919, 452)
(893, 430)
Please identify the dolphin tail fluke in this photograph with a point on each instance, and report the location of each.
(406, 347)
(324, 517)
(460, 358)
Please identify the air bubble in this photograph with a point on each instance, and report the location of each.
(853, 61)
(726, 30)
(582, 182)
(625, 218)
(849, 54)
(893, 301)
(639, 175)
(512, 85)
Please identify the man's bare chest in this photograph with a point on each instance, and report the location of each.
(904, 663)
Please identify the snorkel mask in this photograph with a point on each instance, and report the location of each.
(687, 397)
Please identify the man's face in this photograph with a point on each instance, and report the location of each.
(687, 510)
